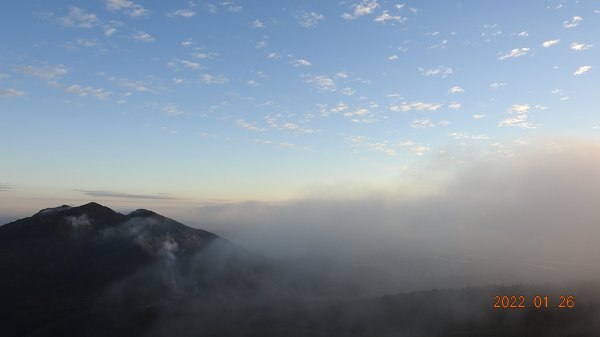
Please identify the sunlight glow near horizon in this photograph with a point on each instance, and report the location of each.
(209, 100)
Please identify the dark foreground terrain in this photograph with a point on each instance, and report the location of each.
(90, 271)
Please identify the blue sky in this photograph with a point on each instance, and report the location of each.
(242, 100)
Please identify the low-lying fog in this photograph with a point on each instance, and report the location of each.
(530, 217)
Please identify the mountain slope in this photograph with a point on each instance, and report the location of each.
(67, 262)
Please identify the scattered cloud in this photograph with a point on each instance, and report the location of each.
(519, 108)
(47, 73)
(257, 24)
(110, 30)
(11, 92)
(497, 85)
(454, 106)
(88, 91)
(127, 7)
(480, 116)
(419, 106)
(385, 16)
(231, 6)
(247, 125)
(575, 21)
(550, 43)
(79, 18)
(171, 110)
(441, 71)
(518, 121)
(309, 19)
(422, 124)
(111, 194)
(322, 83)
(393, 57)
(580, 46)
(365, 7)
(517, 52)
(523, 34)
(184, 13)
(281, 145)
(456, 90)
(348, 91)
(467, 136)
(300, 63)
(362, 141)
(143, 37)
(582, 70)
(491, 32)
(214, 79)
(176, 64)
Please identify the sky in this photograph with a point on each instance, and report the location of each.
(209, 102)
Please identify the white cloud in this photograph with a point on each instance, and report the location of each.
(322, 83)
(518, 121)
(85, 91)
(357, 112)
(382, 146)
(575, 21)
(171, 110)
(143, 36)
(514, 53)
(582, 69)
(257, 24)
(422, 124)
(467, 136)
(248, 126)
(385, 16)
(419, 106)
(79, 18)
(128, 7)
(519, 108)
(348, 91)
(187, 43)
(393, 57)
(231, 6)
(340, 107)
(580, 46)
(178, 80)
(309, 19)
(479, 116)
(11, 92)
(365, 7)
(438, 71)
(341, 74)
(497, 85)
(550, 43)
(523, 34)
(281, 145)
(214, 79)
(212, 9)
(109, 31)
(454, 106)
(184, 63)
(456, 90)
(184, 13)
(491, 32)
(47, 73)
(300, 63)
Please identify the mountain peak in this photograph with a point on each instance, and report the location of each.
(141, 212)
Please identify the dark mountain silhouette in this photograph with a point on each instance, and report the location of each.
(90, 271)
(67, 263)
